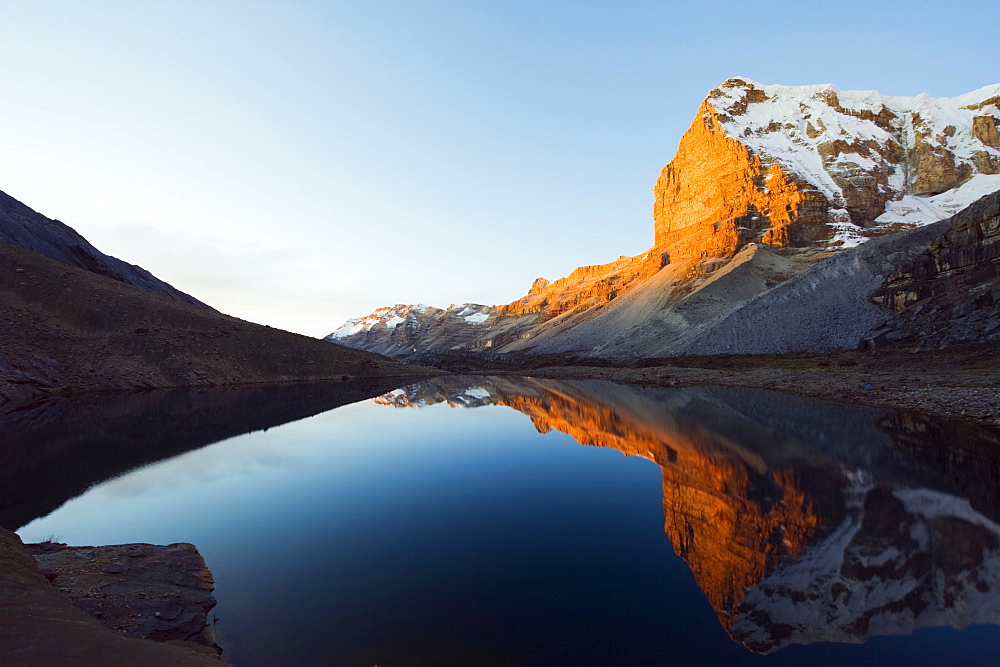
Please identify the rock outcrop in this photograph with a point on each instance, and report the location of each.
(950, 293)
(145, 591)
(41, 625)
(794, 173)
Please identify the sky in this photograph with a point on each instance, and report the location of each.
(299, 163)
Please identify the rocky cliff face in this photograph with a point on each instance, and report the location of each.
(800, 524)
(950, 293)
(858, 163)
(799, 172)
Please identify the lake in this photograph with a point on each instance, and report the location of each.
(504, 520)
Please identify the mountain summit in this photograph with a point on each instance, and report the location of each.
(767, 183)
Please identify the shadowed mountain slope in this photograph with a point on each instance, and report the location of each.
(25, 227)
(65, 329)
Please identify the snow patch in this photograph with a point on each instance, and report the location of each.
(917, 211)
(477, 392)
(389, 316)
(797, 125)
(935, 505)
(846, 234)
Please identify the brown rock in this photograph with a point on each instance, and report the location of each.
(163, 593)
(985, 128)
(40, 625)
(931, 165)
(585, 287)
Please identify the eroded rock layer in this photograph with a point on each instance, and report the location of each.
(950, 293)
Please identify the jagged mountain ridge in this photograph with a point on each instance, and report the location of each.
(792, 173)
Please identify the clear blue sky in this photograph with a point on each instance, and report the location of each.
(297, 163)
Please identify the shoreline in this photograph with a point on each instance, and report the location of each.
(945, 387)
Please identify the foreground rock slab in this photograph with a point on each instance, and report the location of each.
(163, 593)
(41, 625)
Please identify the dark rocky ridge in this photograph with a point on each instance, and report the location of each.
(74, 319)
(65, 329)
(25, 227)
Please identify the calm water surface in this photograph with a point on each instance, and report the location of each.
(486, 520)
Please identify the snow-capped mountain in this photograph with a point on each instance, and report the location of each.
(398, 330)
(878, 160)
(767, 184)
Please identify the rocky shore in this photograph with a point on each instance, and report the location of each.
(962, 383)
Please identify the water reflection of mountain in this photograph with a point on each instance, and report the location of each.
(802, 521)
(53, 450)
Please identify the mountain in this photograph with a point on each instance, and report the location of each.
(769, 187)
(800, 522)
(73, 319)
(24, 227)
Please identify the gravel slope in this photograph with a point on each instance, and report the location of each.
(825, 308)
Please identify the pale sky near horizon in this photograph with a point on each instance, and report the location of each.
(299, 163)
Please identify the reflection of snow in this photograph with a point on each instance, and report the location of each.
(822, 596)
(477, 392)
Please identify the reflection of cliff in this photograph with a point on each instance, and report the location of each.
(57, 448)
(728, 515)
(801, 522)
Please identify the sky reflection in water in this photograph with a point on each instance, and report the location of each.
(372, 535)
